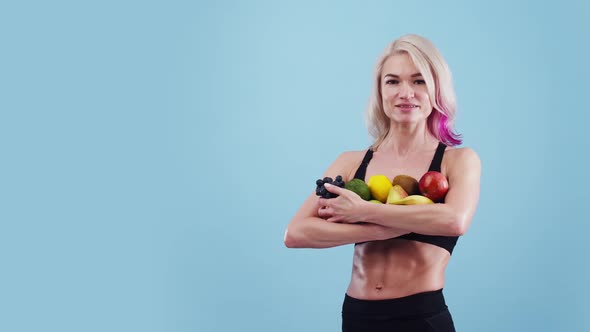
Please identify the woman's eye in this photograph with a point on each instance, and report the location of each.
(391, 82)
(420, 82)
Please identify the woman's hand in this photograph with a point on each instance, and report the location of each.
(347, 208)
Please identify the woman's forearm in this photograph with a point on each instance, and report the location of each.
(428, 219)
(315, 232)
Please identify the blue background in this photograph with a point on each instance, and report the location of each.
(154, 151)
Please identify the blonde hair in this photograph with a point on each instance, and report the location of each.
(437, 76)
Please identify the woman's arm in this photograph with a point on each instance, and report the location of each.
(308, 230)
(450, 219)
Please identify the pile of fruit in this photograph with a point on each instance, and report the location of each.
(403, 190)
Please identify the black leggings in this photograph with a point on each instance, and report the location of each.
(422, 312)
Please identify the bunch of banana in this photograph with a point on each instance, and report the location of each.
(397, 195)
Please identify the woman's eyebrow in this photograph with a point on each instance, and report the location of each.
(396, 76)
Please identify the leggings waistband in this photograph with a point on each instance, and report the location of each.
(416, 304)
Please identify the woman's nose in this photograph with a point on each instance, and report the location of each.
(406, 91)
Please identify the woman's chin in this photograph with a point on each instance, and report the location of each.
(407, 119)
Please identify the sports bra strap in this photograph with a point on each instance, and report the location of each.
(435, 165)
(362, 170)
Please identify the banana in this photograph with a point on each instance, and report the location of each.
(414, 200)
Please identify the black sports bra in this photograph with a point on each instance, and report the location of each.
(446, 242)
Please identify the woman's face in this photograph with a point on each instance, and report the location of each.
(405, 96)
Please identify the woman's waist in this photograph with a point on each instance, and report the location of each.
(393, 285)
(392, 273)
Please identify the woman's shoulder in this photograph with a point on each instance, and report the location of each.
(350, 158)
(349, 161)
(353, 155)
(461, 157)
(461, 152)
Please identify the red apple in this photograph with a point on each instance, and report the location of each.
(434, 185)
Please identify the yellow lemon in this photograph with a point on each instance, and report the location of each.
(379, 185)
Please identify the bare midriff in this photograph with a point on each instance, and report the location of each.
(396, 268)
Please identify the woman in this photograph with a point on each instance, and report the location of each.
(401, 252)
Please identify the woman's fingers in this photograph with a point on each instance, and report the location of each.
(324, 212)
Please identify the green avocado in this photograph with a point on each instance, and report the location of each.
(360, 187)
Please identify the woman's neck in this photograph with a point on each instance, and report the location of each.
(404, 139)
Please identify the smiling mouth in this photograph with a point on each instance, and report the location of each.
(406, 106)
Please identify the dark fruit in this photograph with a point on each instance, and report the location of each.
(320, 189)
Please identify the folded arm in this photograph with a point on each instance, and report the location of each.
(451, 218)
(308, 230)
